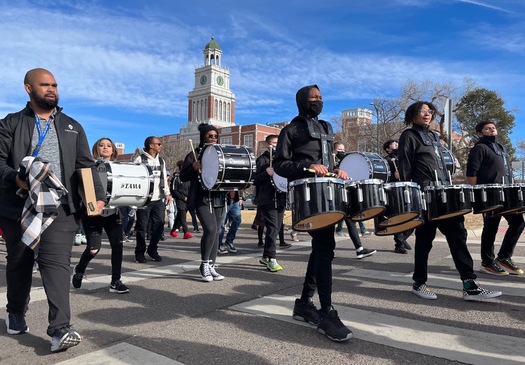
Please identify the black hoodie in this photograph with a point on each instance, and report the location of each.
(296, 149)
(485, 164)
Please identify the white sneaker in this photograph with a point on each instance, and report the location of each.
(216, 276)
(78, 239)
(294, 237)
(83, 239)
(205, 272)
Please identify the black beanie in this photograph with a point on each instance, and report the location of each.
(204, 128)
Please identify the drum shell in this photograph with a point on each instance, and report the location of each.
(366, 199)
(488, 198)
(364, 166)
(380, 229)
(514, 195)
(226, 167)
(128, 184)
(404, 203)
(459, 200)
(323, 209)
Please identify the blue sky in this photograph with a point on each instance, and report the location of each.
(125, 68)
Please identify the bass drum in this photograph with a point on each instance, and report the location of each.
(226, 167)
(279, 183)
(127, 184)
(364, 166)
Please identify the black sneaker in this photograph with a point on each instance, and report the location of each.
(16, 324)
(306, 312)
(473, 293)
(64, 338)
(331, 326)
(231, 247)
(407, 245)
(400, 249)
(365, 252)
(77, 280)
(118, 287)
(260, 244)
(285, 245)
(140, 259)
(222, 251)
(155, 257)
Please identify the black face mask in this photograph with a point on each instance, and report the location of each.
(393, 152)
(340, 155)
(315, 108)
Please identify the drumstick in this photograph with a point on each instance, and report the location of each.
(271, 151)
(395, 165)
(193, 150)
(329, 174)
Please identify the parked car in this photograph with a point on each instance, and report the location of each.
(248, 202)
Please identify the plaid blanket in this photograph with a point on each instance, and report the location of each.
(43, 199)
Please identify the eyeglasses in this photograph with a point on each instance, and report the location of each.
(158, 144)
(213, 136)
(426, 111)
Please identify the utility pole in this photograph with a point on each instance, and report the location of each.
(377, 128)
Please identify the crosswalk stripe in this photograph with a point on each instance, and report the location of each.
(456, 344)
(121, 354)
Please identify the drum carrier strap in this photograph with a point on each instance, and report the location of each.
(144, 159)
(324, 137)
(438, 150)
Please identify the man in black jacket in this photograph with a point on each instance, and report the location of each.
(42, 130)
(272, 202)
(489, 163)
(179, 191)
(421, 161)
(304, 145)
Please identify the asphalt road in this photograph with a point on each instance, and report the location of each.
(170, 317)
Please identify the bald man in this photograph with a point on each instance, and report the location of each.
(42, 131)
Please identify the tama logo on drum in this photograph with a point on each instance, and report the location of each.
(130, 186)
(303, 226)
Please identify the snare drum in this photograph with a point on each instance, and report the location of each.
(226, 167)
(279, 183)
(380, 229)
(404, 203)
(448, 201)
(365, 165)
(317, 203)
(513, 194)
(366, 199)
(127, 184)
(488, 198)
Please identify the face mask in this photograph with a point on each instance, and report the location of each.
(394, 152)
(490, 138)
(315, 108)
(340, 155)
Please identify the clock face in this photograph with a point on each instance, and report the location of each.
(203, 79)
(220, 80)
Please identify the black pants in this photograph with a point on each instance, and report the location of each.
(211, 223)
(490, 229)
(352, 232)
(319, 270)
(456, 235)
(180, 220)
(54, 257)
(156, 212)
(93, 227)
(273, 221)
(400, 238)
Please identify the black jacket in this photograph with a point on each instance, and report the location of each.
(486, 164)
(179, 190)
(391, 157)
(197, 196)
(16, 133)
(265, 192)
(417, 161)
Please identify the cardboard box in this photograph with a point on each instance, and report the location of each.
(86, 189)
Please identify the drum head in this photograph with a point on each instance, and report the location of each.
(210, 165)
(280, 183)
(356, 166)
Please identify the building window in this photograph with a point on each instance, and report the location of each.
(248, 140)
(226, 140)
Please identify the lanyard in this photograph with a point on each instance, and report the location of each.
(41, 134)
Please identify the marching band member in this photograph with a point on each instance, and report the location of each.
(489, 163)
(271, 202)
(103, 150)
(418, 162)
(307, 144)
(209, 205)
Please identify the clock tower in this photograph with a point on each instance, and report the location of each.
(211, 100)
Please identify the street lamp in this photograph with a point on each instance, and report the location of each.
(377, 127)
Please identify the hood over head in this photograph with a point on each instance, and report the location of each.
(301, 99)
